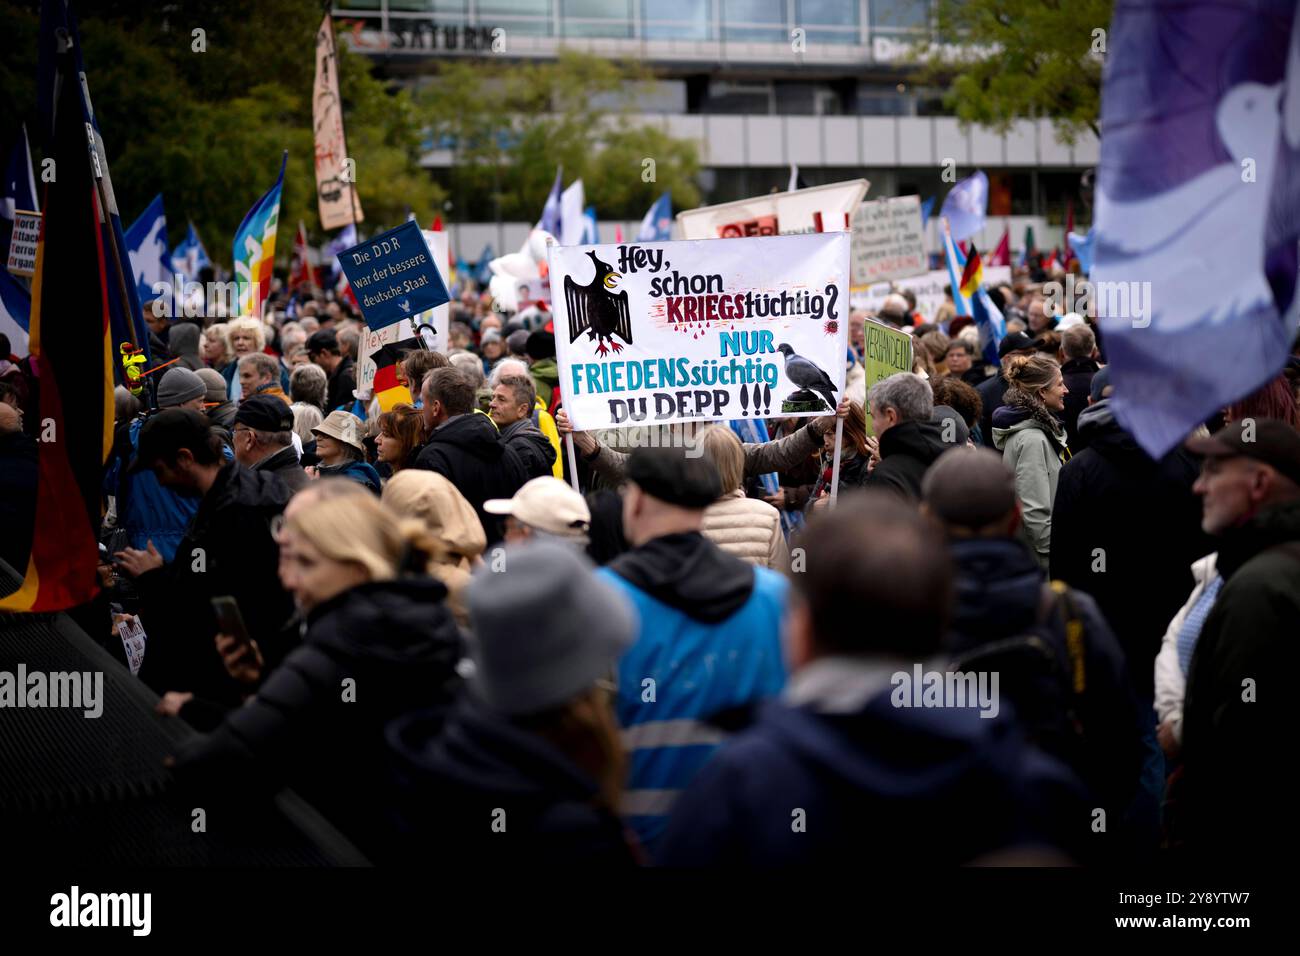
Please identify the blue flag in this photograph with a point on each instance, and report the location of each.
(550, 221)
(482, 268)
(590, 231)
(189, 256)
(927, 210)
(146, 244)
(1081, 246)
(966, 205)
(1195, 263)
(657, 226)
(991, 325)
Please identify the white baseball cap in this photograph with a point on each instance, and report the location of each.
(547, 504)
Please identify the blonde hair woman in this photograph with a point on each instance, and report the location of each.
(377, 643)
(246, 337)
(1032, 441)
(217, 351)
(748, 528)
(450, 520)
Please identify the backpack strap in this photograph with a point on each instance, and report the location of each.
(1058, 598)
(1061, 601)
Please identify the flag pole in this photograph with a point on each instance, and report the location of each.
(835, 462)
(573, 462)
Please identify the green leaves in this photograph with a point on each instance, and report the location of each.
(1032, 58)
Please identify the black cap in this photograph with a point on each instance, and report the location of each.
(322, 341)
(1014, 342)
(669, 475)
(166, 433)
(266, 413)
(1267, 440)
(540, 345)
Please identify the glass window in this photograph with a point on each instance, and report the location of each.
(878, 101)
(596, 18)
(535, 8)
(736, 97)
(677, 19)
(760, 21)
(909, 14)
(829, 21)
(413, 6)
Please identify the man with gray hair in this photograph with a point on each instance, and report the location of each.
(901, 407)
(1078, 366)
(263, 440)
(259, 374)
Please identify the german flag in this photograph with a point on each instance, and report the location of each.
(972, 277)
(389, 388)
(79, 287)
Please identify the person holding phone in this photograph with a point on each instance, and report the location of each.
(378, 642)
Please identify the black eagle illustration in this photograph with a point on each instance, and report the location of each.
(596, 309)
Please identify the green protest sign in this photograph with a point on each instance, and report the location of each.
(886, 352)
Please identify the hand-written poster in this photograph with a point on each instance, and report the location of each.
(663, 332)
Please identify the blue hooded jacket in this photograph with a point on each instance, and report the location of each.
(360, 471)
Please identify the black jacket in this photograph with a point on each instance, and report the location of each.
(906, 451)
(18, 481)
(285, 464)
(1077, 374)
(999, 594)
(228, 549)
(338, 392)
(316, 725)
(882, 782)
(468, 452)
(1126, 529)
(1234, 799)
(458, 773)
(991, 392)
(533, 448)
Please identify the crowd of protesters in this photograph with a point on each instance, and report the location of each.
(454, 655)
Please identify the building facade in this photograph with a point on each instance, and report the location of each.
(758, 85)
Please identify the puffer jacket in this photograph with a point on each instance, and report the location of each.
(1171, 682)
(533, 448)
(748, 528)
(146, 510)
(1035, 456)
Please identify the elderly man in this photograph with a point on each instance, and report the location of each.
(259, 374)
(263, 440)
(512, 410)
(901, 410)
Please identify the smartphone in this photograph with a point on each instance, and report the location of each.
(229, 620)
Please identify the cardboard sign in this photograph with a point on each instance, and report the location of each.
(662, 332)
(888, 240)
(393, 276)
(886, 351)
(22, 245)
(928, 289)
(815, 209)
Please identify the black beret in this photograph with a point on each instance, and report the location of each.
(266, 413)
(669, 475)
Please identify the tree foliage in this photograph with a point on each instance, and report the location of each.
(207, 129)
(510, 125)
(1026, 59)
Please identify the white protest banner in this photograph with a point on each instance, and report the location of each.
(888, 240)
(815, 209)
(663, 332)
(335, 194)
(22, 244)
(928, 289)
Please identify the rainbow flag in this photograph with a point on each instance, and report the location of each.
(255, 248)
